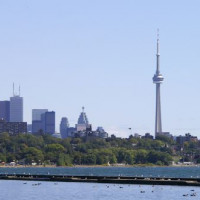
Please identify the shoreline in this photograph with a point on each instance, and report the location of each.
(92, 166)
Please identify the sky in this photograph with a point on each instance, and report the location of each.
(101, 54)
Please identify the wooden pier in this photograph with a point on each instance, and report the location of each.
(104, 179)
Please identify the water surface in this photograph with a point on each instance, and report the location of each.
(180, 172)
(20, 190)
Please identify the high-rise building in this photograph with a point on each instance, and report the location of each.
(5, 110)
(37, 124)
(83, 123)
(158, 79)
(36, 113)
(64, 125)
(43, 121)
(48, 122)
(16, 109)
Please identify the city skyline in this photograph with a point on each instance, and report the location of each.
(101, 55)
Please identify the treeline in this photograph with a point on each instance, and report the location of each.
(45, 149)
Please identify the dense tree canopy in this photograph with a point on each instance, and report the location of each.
(45, 149)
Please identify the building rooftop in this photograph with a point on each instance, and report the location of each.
(83, 118)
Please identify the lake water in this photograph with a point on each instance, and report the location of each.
(180, 172)
(29, 190)
(20, 190)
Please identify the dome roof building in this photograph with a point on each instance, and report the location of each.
(83, 118)
(83, 123)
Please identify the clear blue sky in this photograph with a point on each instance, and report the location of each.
(102, 55)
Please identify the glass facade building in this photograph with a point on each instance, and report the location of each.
(16, 109)
(5, 110)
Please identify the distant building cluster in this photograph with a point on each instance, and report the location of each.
(11, 115)
(81, 129)
(43, 121)
(181, 139)
(186, 138)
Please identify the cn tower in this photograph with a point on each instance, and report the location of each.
(158, 79)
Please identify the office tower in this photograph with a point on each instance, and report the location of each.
(48, 122)
(158, 79)
(16, 109)
(83, 123)
(36, 113)
(37, 125)
(5, 110)
(64, 125)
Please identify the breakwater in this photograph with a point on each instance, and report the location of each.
(104, 179)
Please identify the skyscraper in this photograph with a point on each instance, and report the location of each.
(158, 79)
(16, 108)
(36, 113)
(83, 123)
(5, 110)
(37, 124)
(64, 125)
(48, 122)
(37, 120)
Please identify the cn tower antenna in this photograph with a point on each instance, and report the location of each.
(19, 90)
(158, 35)
(13, 89)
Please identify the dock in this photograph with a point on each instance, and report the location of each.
(104, 179)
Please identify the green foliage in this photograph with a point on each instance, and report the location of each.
(46, 149)
(31, 154)
(141, 156)
(159, 158)
(77, 159)
(55, 148)
(64, 160)
(89, 159)
(165, 139)
(2, 158)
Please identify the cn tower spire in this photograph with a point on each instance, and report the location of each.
(158, 54)
(158, 79)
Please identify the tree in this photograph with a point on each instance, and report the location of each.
(56, 148)
(141, 156)
(156, 157)
(165, 139)
(31, 154)
(77, 159)
(2, 158)
(64, 160)
(89, 159)
(130, 157)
